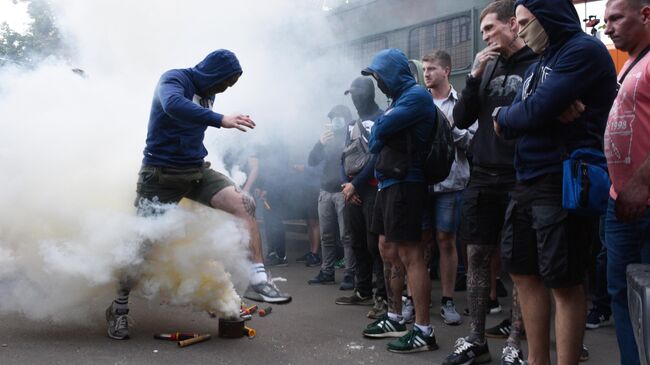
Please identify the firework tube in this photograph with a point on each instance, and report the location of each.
(265, 312)
(249, 332)
(194, 340)
(176, 336)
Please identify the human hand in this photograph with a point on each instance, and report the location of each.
(237, 121)
(356, 199)
(632, 200)
(573, 112)
(326, 137)
(482, 58)
(497, 127)
(299, 168)
(348, 191)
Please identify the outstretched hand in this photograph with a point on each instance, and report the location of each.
(237, 121)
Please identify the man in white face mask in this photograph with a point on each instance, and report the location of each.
(563, 106)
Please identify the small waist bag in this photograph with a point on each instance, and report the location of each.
(585, 183)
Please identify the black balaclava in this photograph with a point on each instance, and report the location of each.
(362, 91)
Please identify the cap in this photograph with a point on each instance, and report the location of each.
(360, 84)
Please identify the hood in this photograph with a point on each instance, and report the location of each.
(417, 70)
(558, 17)
(216, 67)
(392, 66)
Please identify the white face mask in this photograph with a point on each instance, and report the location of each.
(535, 37)
(338, 123)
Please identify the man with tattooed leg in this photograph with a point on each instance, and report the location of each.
(174, 168)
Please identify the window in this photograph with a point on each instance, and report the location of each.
(453, 35)
(363, 51)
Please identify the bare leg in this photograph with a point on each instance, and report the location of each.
(393, 275)
(570, 318)
(242, 206)
(478, 281)
(517, 330)
(313, 231)
(535, 303)
(448, 262)
(412, 255)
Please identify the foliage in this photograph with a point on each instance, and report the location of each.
(42, 39)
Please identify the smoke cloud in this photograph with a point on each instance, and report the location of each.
(71, 146)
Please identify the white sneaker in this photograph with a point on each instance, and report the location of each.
(449, 314)
(408, 311)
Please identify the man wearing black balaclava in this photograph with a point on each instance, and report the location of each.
(327, 151)
(359, 191)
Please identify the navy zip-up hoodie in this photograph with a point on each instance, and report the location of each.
(176, 123)
(412, 111)
(575, 66)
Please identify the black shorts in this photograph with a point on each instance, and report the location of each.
(170, 185)
(541, 238)
(484, 207)
(398, 212)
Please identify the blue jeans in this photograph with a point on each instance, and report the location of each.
(627, 243)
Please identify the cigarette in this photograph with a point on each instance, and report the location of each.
(266, 205)
(194, 340)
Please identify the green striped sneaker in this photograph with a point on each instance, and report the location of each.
(385, 327)
(413, 341)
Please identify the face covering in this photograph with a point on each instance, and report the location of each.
(338, 123)
(534, 35)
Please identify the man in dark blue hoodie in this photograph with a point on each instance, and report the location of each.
(563, 105)
(399, 137)
(174, 168)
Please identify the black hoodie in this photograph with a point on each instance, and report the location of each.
(498, 86)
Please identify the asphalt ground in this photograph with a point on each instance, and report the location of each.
(309, 330)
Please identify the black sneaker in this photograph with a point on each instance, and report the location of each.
(511, 356)
(313, 259)
(355, 299)
(466, 352)
(413, 341)
(597, 319)
(117, 322)
(493, 306)
(303, 258)
(347, 283)
(501, 330)
(501, 289)
(322, 278)
(274, 260)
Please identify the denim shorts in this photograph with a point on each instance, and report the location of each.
(442, 211)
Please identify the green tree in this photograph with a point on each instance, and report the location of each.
(42, 38)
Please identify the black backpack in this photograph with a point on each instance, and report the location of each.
(441, 151)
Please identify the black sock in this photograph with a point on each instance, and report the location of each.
(444, 300)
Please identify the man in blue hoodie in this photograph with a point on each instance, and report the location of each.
(399, 137)
(174, 168)
(563, 105)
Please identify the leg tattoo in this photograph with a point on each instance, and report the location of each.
(517, 320)
(478, 287)
(249, 204)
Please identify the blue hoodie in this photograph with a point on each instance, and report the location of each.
(574, 66)
(412, 111)
(176, 123)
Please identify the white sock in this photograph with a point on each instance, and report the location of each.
(395, 317)
(258, 274)
(426, 330)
